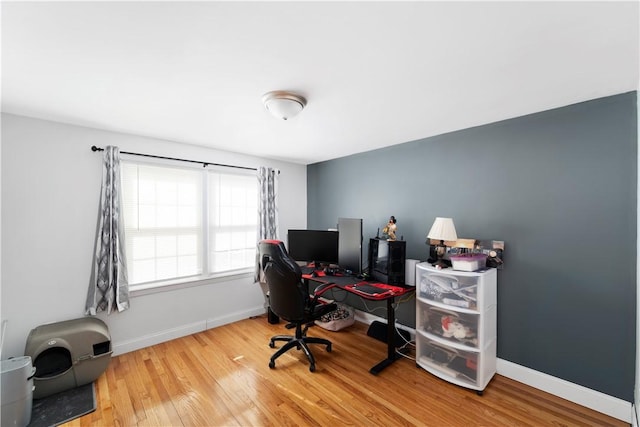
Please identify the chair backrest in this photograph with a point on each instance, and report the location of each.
(288, 297)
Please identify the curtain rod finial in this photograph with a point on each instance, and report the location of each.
(94, 148)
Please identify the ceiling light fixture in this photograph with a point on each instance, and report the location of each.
(282, 104)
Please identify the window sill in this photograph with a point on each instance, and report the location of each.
(174, 285)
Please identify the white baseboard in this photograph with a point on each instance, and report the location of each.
(182, 331)
(234, 317)
(575, 393)
(158, 337)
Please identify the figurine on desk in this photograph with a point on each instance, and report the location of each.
(390, 229)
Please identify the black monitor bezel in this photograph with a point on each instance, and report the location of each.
(321, 245)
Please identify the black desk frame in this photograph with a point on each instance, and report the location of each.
(392, 356)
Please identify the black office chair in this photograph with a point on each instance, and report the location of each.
(289, 299)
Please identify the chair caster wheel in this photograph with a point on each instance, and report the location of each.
(272, 344)
(329, 348)
(479, 392)
(312, 368)
(272, 364)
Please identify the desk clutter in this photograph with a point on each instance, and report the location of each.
(468, 254)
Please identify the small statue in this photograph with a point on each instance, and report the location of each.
(390, 229)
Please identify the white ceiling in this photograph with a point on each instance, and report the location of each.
(374, 73)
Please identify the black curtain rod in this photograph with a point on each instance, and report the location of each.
(204, 164)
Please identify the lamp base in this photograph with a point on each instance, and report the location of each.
(441, 249)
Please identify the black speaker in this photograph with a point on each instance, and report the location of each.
(378, 330)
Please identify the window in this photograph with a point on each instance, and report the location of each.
(233, 221)
(183, 222)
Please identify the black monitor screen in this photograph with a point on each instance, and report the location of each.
(313, 245)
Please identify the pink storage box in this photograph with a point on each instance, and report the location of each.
(468, 262)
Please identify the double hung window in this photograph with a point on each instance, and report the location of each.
(183, 223)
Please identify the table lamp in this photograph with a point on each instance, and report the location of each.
(442, 229)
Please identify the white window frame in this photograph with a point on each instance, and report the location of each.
(206, 277)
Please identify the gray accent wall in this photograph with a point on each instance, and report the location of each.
(559, 188)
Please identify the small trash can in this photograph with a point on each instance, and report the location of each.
(16, 391)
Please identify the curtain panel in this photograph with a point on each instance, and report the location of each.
(267, 210)
(109, 288)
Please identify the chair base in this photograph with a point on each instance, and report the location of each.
(299, 341)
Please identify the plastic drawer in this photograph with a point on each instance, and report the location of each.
(450, 324)
(456, 291)
(450, 363)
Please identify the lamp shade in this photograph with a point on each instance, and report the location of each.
(443, 229)
(282, 104)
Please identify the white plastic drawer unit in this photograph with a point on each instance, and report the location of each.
(456, 325)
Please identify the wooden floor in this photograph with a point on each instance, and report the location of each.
(221, 377)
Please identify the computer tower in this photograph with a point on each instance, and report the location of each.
(387, 260)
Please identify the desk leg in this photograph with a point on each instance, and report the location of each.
(391, 339)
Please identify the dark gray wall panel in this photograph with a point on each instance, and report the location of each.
(559, 187)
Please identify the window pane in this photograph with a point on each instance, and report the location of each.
(233, 218)
(187, 265)
(146, 218)
(166, 192)
(142, 271)
(166, 268)
(143, 247)
(188, 216)
(162, 208)
(146, 191)
(188, 245)
(167, 216)
(166, 246)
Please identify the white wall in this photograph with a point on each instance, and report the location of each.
(50, 193)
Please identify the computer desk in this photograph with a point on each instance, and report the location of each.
(342, 282)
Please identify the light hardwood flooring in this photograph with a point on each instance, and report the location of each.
(221, 377)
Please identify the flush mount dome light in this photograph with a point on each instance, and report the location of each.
(282, 104)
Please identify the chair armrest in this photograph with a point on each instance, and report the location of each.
(318, 291)
(321, 289)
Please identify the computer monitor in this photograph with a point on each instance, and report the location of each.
(313, 245)
(350, 244)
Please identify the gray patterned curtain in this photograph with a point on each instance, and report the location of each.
(267, 209)
(109, 286)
